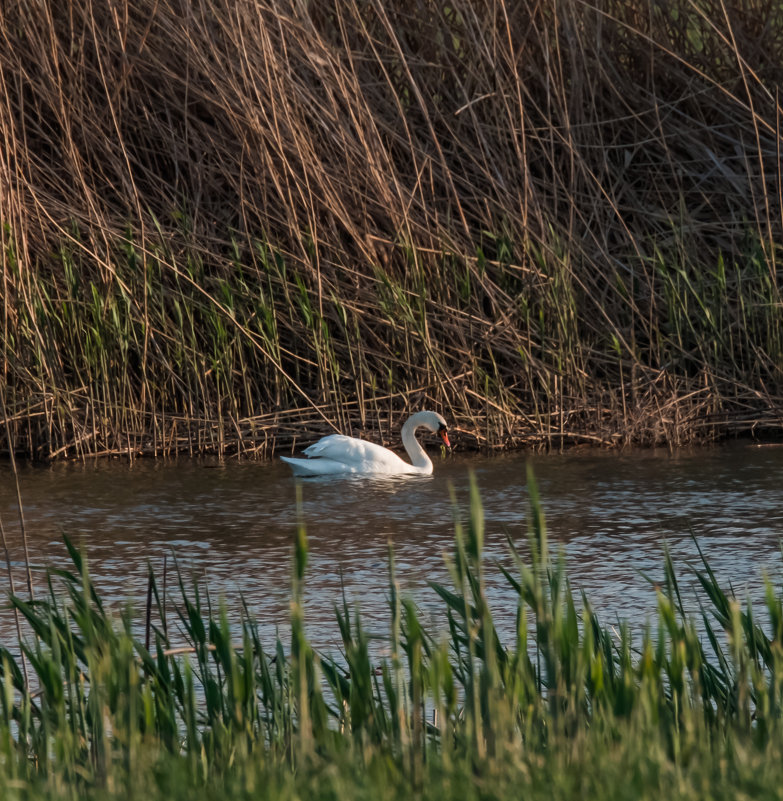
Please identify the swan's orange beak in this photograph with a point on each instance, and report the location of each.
(444, 435)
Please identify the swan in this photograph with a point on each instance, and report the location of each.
(338, 454)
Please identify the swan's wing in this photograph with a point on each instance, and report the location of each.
(357, 454)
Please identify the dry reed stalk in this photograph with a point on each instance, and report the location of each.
(19, 505)
(12, 591)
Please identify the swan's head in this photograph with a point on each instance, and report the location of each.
(437, 425)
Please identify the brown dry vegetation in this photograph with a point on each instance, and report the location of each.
(229, 224)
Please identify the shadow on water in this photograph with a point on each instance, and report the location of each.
(233, 523)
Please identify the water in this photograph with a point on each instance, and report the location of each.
(232, 524)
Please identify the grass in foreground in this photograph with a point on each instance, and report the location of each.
(570, 708)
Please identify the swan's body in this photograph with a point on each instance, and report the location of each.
(338, 454)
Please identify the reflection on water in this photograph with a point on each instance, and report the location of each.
(234, 524)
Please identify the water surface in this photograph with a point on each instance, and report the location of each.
(232, 524)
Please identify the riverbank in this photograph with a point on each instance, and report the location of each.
(178, 700)
(225, 231)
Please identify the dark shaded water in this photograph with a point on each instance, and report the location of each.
(233, 523)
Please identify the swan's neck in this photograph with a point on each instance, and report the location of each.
(417, 454)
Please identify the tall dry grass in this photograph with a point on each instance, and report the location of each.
(228, 224)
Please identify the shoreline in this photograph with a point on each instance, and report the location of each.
(265, 441)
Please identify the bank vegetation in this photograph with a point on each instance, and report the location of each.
(229, 226)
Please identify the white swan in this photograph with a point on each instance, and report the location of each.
(337, 453)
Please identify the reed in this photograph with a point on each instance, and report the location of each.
(226, 225)
(570, 706)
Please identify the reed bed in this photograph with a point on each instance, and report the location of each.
(199, 707)
(225, 223)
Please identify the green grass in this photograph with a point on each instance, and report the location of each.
(569, 707)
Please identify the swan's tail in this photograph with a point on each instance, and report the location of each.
(316, 467)
(299, 466)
